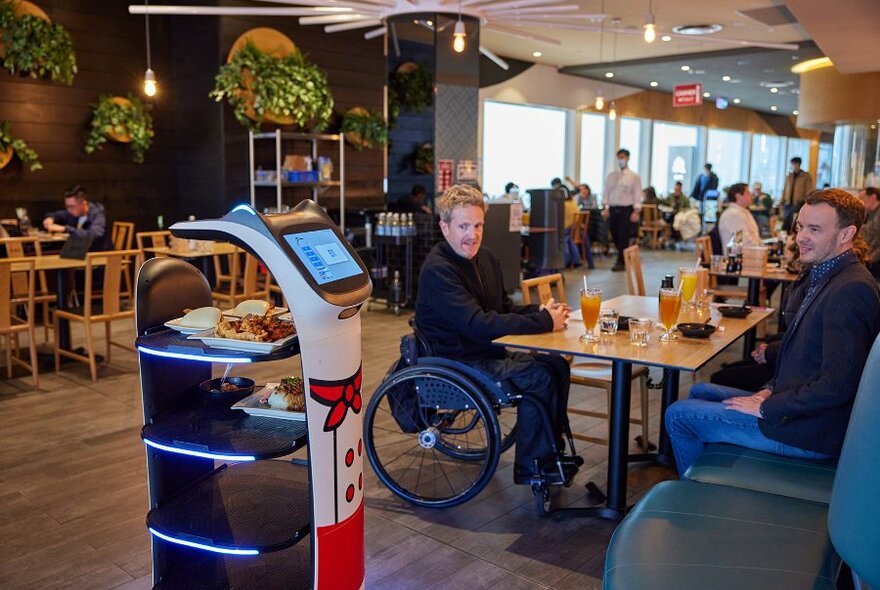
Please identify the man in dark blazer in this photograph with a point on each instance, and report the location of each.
(804, 410)
(462, 306)
(707, 181)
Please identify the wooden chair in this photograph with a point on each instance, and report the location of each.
(30, 246)
(122, 236)
(151, 239)
(226, 280)
(580, 226)
(704, 248)
(652, 224)
(240, 285)
(11, 324)
(91, 313)
(592, 372)
(632, 263)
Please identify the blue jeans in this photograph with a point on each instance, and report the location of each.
(570, 250)
(703, 419)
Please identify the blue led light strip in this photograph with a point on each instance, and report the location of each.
(203, 546)
(203, 455)
(193, 357)
(246, 208)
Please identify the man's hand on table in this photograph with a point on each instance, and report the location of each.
(747, 404)
(52, 227)
(558, 311)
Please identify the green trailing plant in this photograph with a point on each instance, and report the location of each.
(410, 89)
(35, 46)
(132, 119)
(368, 127)
(424, 159)
(287, 86)
(27, 156)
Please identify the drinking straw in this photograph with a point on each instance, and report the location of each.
(585, 282)
(697, 265)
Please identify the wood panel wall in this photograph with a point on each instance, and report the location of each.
(198, 162)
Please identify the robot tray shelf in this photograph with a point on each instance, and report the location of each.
(167, 343)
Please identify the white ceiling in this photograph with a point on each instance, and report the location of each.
(579, 47)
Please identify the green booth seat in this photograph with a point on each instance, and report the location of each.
(738, 467)
(687, 534)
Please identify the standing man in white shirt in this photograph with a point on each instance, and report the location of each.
(623, 204)
(737, 217)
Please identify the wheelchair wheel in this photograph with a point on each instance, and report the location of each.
(507, 424)
(431, 436)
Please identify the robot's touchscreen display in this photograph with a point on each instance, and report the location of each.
(324, 255)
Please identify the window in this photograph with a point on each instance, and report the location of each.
(631, 139)
(521, 144)
(823, 174)
(798, 148)
(592, 158)
(674, 157)
(726, 154)
(767, 163)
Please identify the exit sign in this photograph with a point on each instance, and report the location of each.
(687, 95)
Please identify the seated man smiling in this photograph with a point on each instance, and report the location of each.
(804, 410)
(462, 306)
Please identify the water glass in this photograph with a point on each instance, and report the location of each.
(640, 331)
(704, 299)
(608, 319)
(717, 262)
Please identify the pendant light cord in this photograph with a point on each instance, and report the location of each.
(147, 28)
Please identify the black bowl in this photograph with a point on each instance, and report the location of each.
(696, 330)
(734, 311)
(243, 388)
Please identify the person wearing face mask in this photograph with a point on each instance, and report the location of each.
(623, 204)
(797, 185)
(462, 306)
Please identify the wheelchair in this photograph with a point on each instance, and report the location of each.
(435, 428)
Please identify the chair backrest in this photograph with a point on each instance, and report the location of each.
(544, 287)
(24, 270)
(122, 235)
(19, 248)
(579, 226)
(250, 286)
(650, 215)
(703, 245)
(152, 239)
(632, 262)
(110, 290)
(854, 513)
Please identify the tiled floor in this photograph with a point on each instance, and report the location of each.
(73, 491)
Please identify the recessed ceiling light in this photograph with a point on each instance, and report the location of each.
(430, 23)
(725, 78)
(707, 94)
(685, 68)
(655, 84)
(666, 38)
(736, 101)
(774, 108)
(609, 74)
(776, 84)
(537, 54)
(774, 90)
(696, 29)
(795, 113)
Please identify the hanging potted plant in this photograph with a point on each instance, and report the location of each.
(12, 146)
(125, 120)
(287, 89)
(410, 87)
(363, 129)
(32, 44)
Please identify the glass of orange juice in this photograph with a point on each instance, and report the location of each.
(670, 303)
(591, 301)
(688, 280)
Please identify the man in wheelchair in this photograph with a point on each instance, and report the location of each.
(462, 306)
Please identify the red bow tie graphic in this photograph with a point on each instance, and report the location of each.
(339, 396)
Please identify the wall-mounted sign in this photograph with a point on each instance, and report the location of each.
(444, 175)
(466, 171)
(687, 95)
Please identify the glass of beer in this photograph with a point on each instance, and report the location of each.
(591, 301)
(688, 280)
(670, 302)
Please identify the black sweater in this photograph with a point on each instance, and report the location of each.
(462, 306)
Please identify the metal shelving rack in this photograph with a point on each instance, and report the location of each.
(279, 184)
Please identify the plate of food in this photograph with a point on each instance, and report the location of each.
(285, 400)
(254, 307)
(252, 333)
(195, 320)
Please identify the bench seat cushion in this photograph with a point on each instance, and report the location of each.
(738, 467)
(685, 535)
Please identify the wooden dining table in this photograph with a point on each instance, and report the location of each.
(684, 354)
(203, 254)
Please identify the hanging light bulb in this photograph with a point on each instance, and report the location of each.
(600, 102)
(650, 33)
(458, 36)
(612, 112)
(150, 83)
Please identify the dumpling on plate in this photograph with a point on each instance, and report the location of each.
(203, 317)
(251, 306)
